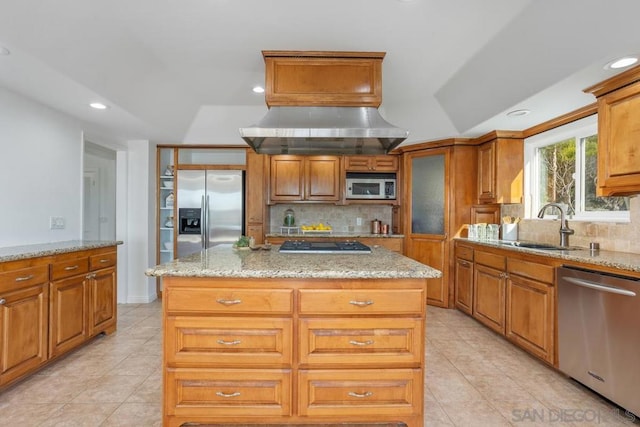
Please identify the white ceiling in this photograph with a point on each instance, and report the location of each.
(182, 70)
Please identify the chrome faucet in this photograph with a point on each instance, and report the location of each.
(565, 231)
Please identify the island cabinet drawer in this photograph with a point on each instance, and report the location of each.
(24, 278)
(228, 341)
(362, 391)
(361, 301)
(223, 300)
(227, 392)
(361, 342)
(70, 267)
(105, 260)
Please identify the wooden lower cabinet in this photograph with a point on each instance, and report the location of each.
(23, 331)
(49, 305)
(512, 294)
(68, 314)
(463, 283)
(290, 351)
(530, 305)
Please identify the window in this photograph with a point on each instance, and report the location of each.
(561, 167)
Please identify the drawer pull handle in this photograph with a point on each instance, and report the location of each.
(91, 276)
(72, 267)
(229, 301)
(221, 394)
(361, 303)
(465, 264)
(234, 342)
(3, 301)
(104, 261)
(361, 343)
(22, 279)
(360, 395)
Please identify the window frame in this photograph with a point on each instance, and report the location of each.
(580, 129)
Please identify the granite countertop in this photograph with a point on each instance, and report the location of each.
(14, 253)
(339, 235)
(620, 260)
(224, 261)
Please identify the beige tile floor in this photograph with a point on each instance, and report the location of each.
(473, 378)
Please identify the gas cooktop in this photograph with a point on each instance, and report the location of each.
(309, 247)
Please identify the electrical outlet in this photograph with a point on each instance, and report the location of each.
(56, 223)
(358, 221)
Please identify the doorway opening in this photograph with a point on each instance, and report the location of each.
(99, 193)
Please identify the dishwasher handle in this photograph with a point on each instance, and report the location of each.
(599, 287)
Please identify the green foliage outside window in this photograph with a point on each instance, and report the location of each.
(558, 171)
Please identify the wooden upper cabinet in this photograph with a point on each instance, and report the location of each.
(305, 178)
(500, 170)
(318, 78)
(618, 134)
(371, 163)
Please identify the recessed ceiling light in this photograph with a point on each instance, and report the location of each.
(621, 62)
(516, 113)
(258, 89)
(98, 106)
(4, 51)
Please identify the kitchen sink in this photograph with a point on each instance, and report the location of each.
(535, 245)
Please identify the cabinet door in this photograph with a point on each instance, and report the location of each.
(427, 240)
(486, 172)
(255, 188)
(68, 314)
(102, 309)
(385, 163)
(287, 178)
(433, 252)
(322, 178)
(23, 331)
(618, 134)
(530, 316)
(464, 285)
(358, 163)
(489, 297)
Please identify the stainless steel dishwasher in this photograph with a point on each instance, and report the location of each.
(599, 333)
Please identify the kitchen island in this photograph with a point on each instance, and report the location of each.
(261, 337)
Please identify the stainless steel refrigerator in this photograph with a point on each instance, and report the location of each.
(210, 209)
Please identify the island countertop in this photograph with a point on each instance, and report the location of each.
(224, 261)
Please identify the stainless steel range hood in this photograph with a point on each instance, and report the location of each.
(323, 130)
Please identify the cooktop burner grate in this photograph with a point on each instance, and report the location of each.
(318, 247)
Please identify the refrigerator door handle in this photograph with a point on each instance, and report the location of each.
(202, 221)
(206, 222)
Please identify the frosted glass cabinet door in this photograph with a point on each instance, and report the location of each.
(427, 194)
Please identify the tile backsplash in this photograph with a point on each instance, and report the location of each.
(612, 236)
(341, 218)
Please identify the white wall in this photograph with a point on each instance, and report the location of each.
(41, 172)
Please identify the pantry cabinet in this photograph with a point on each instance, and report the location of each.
(500, 168)
(256, 213)
(618, 133)
(305, 179)
(436, 213)
(24, 308)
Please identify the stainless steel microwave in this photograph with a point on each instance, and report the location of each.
(371, 186)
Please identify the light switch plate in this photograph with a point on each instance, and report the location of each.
(56, 223)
